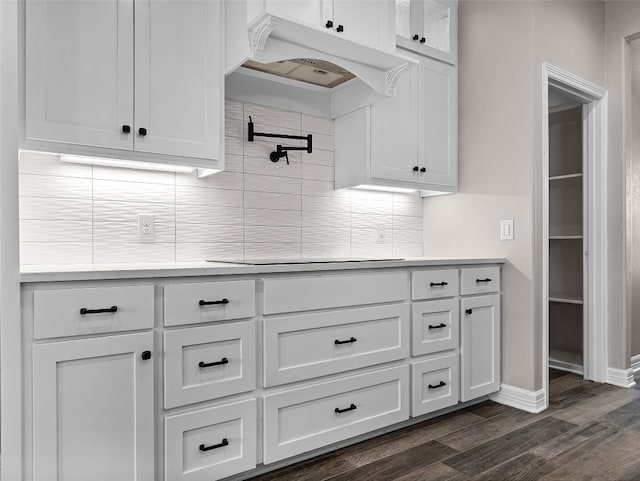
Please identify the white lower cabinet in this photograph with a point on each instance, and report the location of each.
(211, 443)
(480, 346)
(313, 345)
(435, 384)
(209, 362)
(93, 409)
(306, 418)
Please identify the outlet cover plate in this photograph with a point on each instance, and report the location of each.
(146, 227)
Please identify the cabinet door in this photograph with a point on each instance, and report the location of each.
(311, 12)
(438, 20)
(480, 351)
(179, 83)
(407, 25)
(79, 72)
(438, 123)
(394, 132)
(93, 409)
(365, 21)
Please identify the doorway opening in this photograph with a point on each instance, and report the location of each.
(573, 226)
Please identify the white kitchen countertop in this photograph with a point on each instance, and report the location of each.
(91, 272)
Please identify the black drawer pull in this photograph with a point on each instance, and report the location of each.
(353, 407)
(434, 284)
(469, 311)
(213, 303)
(348, 341)
(225, 442)
(84, 310)
(441, 384)
(340, 28)
(416, 36)
(440, 326)
(142, 132)
(221, 362)
(483, 280)
(146, 355)
(329, 24)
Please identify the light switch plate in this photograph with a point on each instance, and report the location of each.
(506, 229)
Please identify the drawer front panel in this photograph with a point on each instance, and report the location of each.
(302, 419)
(208, 302)
(302, 347)
(330, 291)
(435, 326)
(434, 284)
(94, 310)
(479, 280)
(435, 384)
(211, 443)
(203, 363)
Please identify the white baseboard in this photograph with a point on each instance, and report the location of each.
(635, 365)
(620, 377)
(530, 401)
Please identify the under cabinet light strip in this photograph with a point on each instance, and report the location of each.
(126, 164)
(400, 190)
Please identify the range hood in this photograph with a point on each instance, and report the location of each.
(275, 48)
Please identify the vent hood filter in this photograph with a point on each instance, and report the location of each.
(311, 71)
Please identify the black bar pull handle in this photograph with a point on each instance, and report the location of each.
(84, 310)
(440, 384)
(469, 311)
(221, 362)
(352, 407)
(434, 284)
(213, 303)
(348, 341)
(225, 442)
(439, 326)
(478, 281)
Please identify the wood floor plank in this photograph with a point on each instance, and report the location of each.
(556, 373)
(394, 467)
(566, 442)
(488, 409)
(626, 416)
(526, 467)
(481, 458)
(434, 472)
(316, 469)
(565, 383)
(615, 460)
(589, 410)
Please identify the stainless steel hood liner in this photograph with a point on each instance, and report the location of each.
(274, 39)
(308, 70)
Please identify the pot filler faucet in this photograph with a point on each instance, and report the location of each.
(281, 151)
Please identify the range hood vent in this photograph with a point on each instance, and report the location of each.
(308, 70)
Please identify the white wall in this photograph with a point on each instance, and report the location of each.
(501, 49)
(634, 211)
(82, 214)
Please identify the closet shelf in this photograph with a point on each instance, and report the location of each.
(565, 298)
(565, 237)
(566, 176)
(566, 360)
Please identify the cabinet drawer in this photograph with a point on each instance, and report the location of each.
(325, 292)
(303, 419)
(195, 448)
(204, 363)
(435, 326)
(479, 280)
(434, 284)
(72, 312)
(208, 302)
(302, 347)
(435, 384)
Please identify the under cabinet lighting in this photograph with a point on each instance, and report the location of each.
(132, 164)
(400, 190)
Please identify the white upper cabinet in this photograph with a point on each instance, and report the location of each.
(409, 140)
(428, 27)
(179, 92)
(140, 76)
(369, 22)
(79, 72)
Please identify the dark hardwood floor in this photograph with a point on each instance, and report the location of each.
(590, 431)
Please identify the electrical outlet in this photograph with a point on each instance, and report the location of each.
(506, 229)
(146, 227)
(382, 233)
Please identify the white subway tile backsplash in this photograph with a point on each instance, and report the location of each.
(193, 252)
(273, 217)
(318, 125)
(267, 183)
(266, 200)
(203, 233)
(256, 208)
(52, 208)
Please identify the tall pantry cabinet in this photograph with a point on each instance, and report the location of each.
(567, 240)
